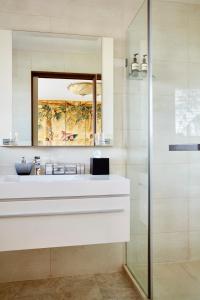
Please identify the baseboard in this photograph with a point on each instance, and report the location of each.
(135, 283)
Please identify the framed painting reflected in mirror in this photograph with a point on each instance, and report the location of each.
(66, 108)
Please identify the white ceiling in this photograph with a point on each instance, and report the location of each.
(57, 89)
(113, 15)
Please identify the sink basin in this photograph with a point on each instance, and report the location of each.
(51, 178)
(32, 186)
(9, 178)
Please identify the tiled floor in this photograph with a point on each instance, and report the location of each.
(114, 286)
(177, 281)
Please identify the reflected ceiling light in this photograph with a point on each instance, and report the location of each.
(84, 88)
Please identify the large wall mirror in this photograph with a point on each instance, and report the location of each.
(57, 89)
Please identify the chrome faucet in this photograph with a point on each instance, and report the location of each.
(37, 165)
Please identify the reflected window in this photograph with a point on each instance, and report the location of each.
(187, 112)
(67, 109)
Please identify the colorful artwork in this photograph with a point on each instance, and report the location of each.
(67, 122)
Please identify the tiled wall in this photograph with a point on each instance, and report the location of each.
(103, 18)
(56, 262)
(176, 120)
(74, 17)
(176, 110)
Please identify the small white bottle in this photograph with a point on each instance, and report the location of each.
(144, 65)
(135, 67)
(49, 169)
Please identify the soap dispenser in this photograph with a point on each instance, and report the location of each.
(23, 167)
(144, 65)
(135, 68)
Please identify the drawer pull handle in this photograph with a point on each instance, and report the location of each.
(63, 213)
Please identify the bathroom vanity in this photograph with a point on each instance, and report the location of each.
(63, 210)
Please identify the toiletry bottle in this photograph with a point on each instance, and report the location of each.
(37, 165)
(49, 169)
(144, 65)
(16, 138)
(135, 65)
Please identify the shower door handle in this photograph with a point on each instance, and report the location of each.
(184, 147)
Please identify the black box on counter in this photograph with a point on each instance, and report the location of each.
(99, 166)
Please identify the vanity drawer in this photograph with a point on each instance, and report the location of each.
(44, 223)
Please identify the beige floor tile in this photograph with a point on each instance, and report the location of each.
(176, 281)
(113, 280)
(38, 297)
(118, 294)
(115, 286)
(193, 269)
(8, 291)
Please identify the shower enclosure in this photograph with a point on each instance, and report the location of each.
(163, 139)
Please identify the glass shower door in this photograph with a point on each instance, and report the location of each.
(176, 168)
(175, 156)
(138, 149)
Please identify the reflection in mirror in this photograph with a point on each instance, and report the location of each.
(187, 112)
(64, 107)
(23, 53)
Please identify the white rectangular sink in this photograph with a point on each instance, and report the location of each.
(52, 178)
(14, 186)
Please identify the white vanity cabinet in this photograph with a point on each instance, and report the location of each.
(82, 210)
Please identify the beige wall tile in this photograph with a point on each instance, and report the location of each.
(170, 247)
(47, 61)
(119, 79)
(194, 213)
(193, 37)
(170, 215)
(87, 259)
(177, 12)
(118, 169)
(134, 173)
(43, 263)
(170, 181)
(194, 250)
(24, 265)
(193, 182)
(168, 43)
(118, 111)
(169, 78)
